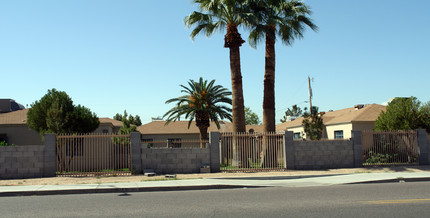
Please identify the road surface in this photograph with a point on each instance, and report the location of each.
(360, 200)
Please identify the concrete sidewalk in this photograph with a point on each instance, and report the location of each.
(215, 183)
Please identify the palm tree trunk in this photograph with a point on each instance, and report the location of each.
(233, 41)
(269, 87)
(269, 102)
(203, 135)
(237, 91)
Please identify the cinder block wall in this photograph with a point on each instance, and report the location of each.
(323, 154)
(428, 147)
(18, 162)
(175, 160)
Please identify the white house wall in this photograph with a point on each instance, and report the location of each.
(345, 127)
(298, 129)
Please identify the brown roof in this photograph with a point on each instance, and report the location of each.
(20, 117)
(15, 117)
(289, 124)
(179, 127)
(368, 113)
(109, 120)
(256, 128)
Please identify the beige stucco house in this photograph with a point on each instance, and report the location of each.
(339, 124)
(14, 129)
(177, 132)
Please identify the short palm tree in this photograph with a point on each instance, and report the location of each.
(288, 20)
(203, 102)
(216, 15)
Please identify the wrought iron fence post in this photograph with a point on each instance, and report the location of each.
(357, 148)
(422, 146)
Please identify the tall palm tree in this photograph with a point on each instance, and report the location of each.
(286, 19)
(216, 15)
(203, 102)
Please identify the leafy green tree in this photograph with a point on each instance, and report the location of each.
(56, 113)
(404, 114)
(137, 121)
(127, 124)
(133, 120)
(251, 118)
(294, 111)
(287, 20)
(216, 15)
(425, 108)
(204, 102)
(117, 117)
(313, 124)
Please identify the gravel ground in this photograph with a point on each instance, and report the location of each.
(141, 178)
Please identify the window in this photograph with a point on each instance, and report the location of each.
(148, 142)
(174, 143)
(297, 135)
(3, 137)
(105, 131)
(338, 134)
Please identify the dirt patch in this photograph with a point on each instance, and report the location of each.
(141, 178)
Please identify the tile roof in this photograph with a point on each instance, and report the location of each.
(15, 117)
(20, 117)
(368, 113)
(180, 127)
(109, 120)
(256, 128)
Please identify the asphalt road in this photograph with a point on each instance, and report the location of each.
(360, 200)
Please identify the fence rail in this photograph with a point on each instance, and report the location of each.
(252, 151)
(177, 144)
(93, 154)
(390, 148)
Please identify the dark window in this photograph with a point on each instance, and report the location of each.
(3, 137)
(105, 131)
(297, 135)
(147, 140)
(338, 134)
(174, 143)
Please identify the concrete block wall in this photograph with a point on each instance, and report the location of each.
(174, 160)
(428, 148)
(310, 155)
(17, 162)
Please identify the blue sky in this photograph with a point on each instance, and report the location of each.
(131, 54)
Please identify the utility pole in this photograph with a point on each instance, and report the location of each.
(310, 95)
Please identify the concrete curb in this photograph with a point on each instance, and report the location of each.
(124, 191)
(396, 180)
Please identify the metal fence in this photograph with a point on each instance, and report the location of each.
(252, 151)
(93, 155)
(390, 148)
(176, 144)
